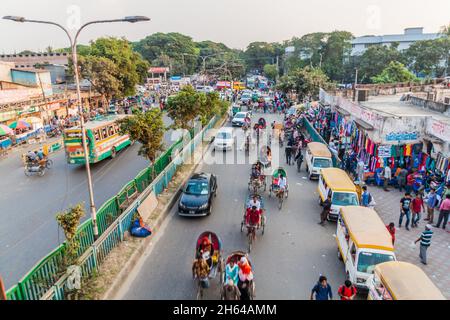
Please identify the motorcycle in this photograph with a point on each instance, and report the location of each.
(37, 167)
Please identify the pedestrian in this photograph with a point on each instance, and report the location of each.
(405, 210)
(347, 291)
(444, 212)
(425, 242)
(432, 201)
(299, 159)
(288, 151)
(322, 289)
(366, 197)
(326, 210)
(391, 228)
(401, 179)
(387, 175)
(417, 207)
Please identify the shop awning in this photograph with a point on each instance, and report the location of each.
(364, 125)
(342, 111)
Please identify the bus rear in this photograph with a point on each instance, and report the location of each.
(73, 146)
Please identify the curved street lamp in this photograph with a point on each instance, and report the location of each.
(73, 46)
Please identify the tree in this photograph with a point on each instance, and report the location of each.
(445, 43)
(270, 71)
(103, 75)
(146, 128)
(373, 61)
(69, 221)
(259, 54)
(119, 51)
(424, 57)
(172, 45)
(306, 82)
(185, 107)
(336, 51)
(394, 72)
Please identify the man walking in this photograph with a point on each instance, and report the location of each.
(417, 206)
(360, 170)
(288, 151)
(366, 197)
(431, 204)
(322, 290)
(387, 174)
(425, 242)
(299, 158)
(405, 210)
(401, 178)
(444, 212)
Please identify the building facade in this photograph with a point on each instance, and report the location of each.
(410, 35)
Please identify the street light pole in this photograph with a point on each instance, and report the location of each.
(73, 45)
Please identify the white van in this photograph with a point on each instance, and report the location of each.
(363, 242)
(317, 157)
(224, 139)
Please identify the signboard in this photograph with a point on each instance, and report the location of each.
(402, 136)
(438, 129)
(158, 70)
(223, 84)
(175, 78)
(384, 151)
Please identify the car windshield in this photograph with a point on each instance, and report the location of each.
(344, 199)
(197, 188)
(224, 135)
(240, 115)
(322, 163)
(368, 260)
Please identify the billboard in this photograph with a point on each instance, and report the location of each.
(158, 70)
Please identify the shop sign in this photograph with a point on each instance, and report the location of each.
(5, 116)
(402, 136)
(438, 129)
(384, 151)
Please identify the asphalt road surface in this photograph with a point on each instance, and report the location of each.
(28, 229)
(288, 259)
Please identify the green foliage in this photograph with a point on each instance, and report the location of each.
(146, 128)
(375, 59)
(271, 71)
(425, 56)
(258, 54)
(337, 48)
(306, 82)
(69, 221)
(103, 75)
(394, 72)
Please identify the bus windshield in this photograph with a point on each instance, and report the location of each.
(344, 199)
(368, 260)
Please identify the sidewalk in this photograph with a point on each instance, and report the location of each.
(438, 255)
(24, 148)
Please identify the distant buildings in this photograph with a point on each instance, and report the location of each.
(411, 35)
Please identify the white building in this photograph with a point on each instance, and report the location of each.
(411, 35)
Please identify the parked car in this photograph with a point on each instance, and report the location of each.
(239, 119)
(197, 197)
(224, 139)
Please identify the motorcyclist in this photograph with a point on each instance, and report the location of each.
(31, 157)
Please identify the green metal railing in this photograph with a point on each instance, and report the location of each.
(44, 280)
(315, 136)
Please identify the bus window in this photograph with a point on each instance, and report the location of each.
(111, 130)
(104, 133)
(97, 135)
(116, 128)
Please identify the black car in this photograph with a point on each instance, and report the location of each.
(197, 196)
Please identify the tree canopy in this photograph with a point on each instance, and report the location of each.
(394, 72)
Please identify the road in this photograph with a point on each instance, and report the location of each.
(28, 229)
(288, 259)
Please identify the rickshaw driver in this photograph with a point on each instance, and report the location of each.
(253, 216)
(282, 183)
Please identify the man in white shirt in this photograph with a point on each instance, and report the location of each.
(254, 203)
(387, 174)
(282, 182)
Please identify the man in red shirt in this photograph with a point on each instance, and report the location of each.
(417, 206)
(347, 291)
(391, 229)
(253, 216)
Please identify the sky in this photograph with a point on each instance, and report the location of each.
(233, 22)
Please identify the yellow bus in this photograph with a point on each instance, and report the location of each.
(103, 139)
(398, 280)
